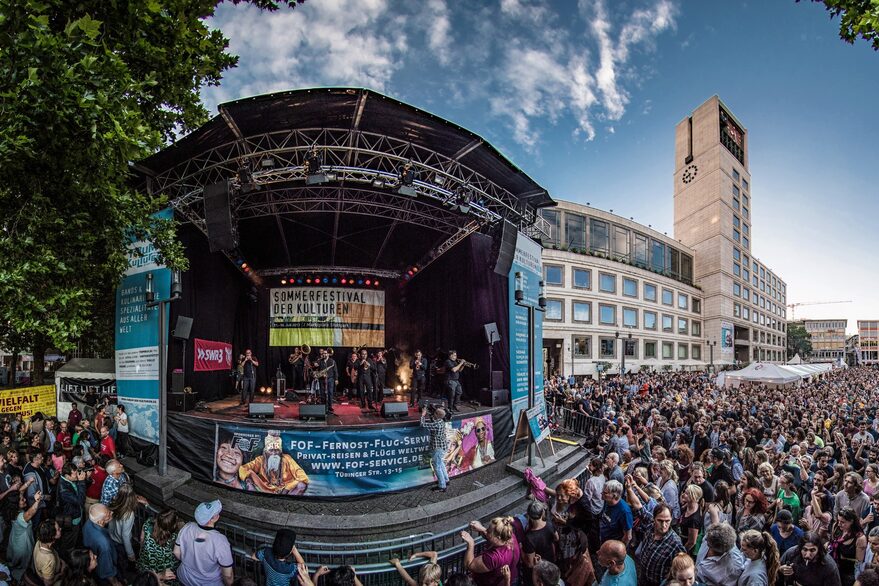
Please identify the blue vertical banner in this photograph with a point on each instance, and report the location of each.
(526, 262)
(137, 338)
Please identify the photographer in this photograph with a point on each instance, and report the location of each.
(434, 422)
(71, 503)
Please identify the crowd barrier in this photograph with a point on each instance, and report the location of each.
(579, 424)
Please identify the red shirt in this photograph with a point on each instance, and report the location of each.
(66, 440)
(97, 485)
(108, 446)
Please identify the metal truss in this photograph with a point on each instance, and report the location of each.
(328, 270)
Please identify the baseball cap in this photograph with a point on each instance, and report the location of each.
(785, 516)
(206, 511)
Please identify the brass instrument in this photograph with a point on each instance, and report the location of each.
(306, 349)
(466, 364)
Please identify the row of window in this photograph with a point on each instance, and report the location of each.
(770, 339)
(767, 282)
(745, 313)
(581, 312)
(607, 348)
(554, 275)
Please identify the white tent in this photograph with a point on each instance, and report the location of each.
(761, 372)
(795, 360)
(80, 375)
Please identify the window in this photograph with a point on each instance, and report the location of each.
(575, 230)
(696, 328)
(649, 320)
(607, 283)
(735, 191)
(582, 279)
(762, 273)
(639, 250)
(630, 287)
(745, 200)
(735, 204)
(649, 349)
(696, 352)
(746, 293)
(683, 301)
(745, 274)
(697, 306)
(682, 326)
(598, 235)
(582, 346)
(745, 212)
(620, 242)
(737, 254)
(607, 314)
(630, 348)
(736, 222)
(755, 281)
(658, 256)
(746, 243)
(736, 289)
(746, 230)
(745, 184)
(607, 347)
(668, 349)
(667, 323)
(553, 218)
(630, 317)
(736, 269)
(668, 297)
(737, 236)
(687, 267)
(649, 292)
(553, 275)
(682, 351)
(554, 310)
(737, 310)
(583, 311)
(735, 175)
(746, 313)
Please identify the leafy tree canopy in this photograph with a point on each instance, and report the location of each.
(857, 18)
(86, 88)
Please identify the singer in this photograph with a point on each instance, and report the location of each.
(248, 366)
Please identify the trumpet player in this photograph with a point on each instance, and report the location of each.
(365, 387)
(329, 375)
(297, 368)
(453, 380)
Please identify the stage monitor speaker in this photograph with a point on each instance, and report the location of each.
(291, 395)
(395, 409)
(312, 411)
(182, 328)
(491, 333)
(261, 410)
(182, 402)
(497, 379)
(218, 216)
(506, 248)
(494, 398)
(177, 382)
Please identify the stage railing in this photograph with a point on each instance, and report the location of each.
(580, 424)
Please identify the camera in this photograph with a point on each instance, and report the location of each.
(432, 407)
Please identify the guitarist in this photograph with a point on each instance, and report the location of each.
(327, 374)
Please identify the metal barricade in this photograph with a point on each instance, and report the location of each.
(580, 424)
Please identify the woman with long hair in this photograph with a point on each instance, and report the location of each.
(721, 510)
(683, 570)
(691, 517)
(848, 544)
(121, 528)
(668, 484)
(871, 479)
(761, 553)
(80, 565)
(501, 550)
(753, 513)
(157, 542)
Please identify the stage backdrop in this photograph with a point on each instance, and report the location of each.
(326, 316)
(332, 462)
(527, 263)
(137, 339)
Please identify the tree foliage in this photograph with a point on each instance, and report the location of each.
(798, 341)
(857, 18)
(86, 88)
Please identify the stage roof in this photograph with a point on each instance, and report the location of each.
(358, 218)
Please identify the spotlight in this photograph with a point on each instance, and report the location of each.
(359, 281)
(308, 280)
(335, 280)
(313, 164)
(410, 272)
(463, 199)
(344, 281)
(245, 178)
(267, 163)
(299, 281)
(415, 269)
(368, 282)
(399, 388)
(283, 281)
(244, 266)
(407, 177)
(326, 280)
(439, 179)
(405, 387)
(378, 183)
(375, 283)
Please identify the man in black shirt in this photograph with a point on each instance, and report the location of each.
(365, 386)
(329, 373)
(453, 382)
(248, 377)
(540, 539)
(381, 370)
(419, 377)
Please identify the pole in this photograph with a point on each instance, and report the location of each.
(623, 367)
(163, 404)
(530, 372)
(711, 351)
(572, 358)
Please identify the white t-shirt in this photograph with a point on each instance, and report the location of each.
(122, 421)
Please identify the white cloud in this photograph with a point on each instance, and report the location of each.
(439, 30)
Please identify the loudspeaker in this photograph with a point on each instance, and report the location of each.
(182, 328)
(494, 398)
(312, 411)
(218, 216)
(182, 402)
(261, 410)
(491, 333)
(291, 396)
(395, 409)
(506, 248)
(177, 382)
(497, 379)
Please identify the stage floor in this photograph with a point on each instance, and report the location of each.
(348, 414)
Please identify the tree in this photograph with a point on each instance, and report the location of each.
(798, 341)
(857, 18)
(87, 88)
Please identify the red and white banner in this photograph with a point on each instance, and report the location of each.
(210, 355)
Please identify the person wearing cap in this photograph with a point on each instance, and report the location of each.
(784, 532)
(540, 539)
(204, 553)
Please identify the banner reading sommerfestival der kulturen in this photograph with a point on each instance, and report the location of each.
(137, 338)
(326, 316)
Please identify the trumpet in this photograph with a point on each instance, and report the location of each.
(466, 364)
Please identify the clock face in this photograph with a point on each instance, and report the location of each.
(690, 174)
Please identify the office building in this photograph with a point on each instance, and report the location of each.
(828, 338)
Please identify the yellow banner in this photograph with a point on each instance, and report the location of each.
(28, 400)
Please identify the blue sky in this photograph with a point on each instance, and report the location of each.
(584, 96)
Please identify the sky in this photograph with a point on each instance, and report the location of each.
(584, 97)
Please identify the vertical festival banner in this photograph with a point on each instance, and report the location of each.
(137, 338)
(726, 340)
(527, 262)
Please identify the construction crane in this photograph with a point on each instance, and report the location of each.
(793, 306)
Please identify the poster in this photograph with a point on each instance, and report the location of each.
(538, 422)
(345, 462)
(137, 338)
(326, 316)
(26, 401)
(726, 339)
(526, 262)
(210, 355)
(87, 391)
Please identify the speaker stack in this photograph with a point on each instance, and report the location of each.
(261, 410)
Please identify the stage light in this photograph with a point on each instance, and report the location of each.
(415, 269)
(376, 283)
(335, 280)
(344, 281)
(326, 280)
(405, 387)
(308, 280)
(407, 177)
(244, 266)
(410, 272)
(267, 163)
(359, 281)
(283, 281)
(299, 280)
(368, 282)
(399, 388)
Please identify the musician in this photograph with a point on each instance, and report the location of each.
(453, 380)
(248, 365)
(365, 386)
(327, 373)
(380, 374)
(351, 372)
(418, 365)
(297, 367)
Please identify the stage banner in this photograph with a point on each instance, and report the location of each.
(87, 391)
(346, 462)
(26, 401)
(137, 338)
(326, 316)
(210, 355)
(527, 263)
(726, 339)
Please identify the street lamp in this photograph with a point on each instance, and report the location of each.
(626, 339)
(151, 301)
(519, 296)
(711, 344)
